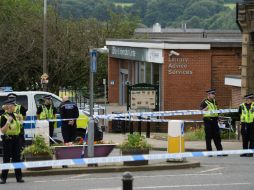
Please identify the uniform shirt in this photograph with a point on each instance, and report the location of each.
(203, 105)
(69, 110)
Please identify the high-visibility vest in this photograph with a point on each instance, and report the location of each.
(17, 109)
(211, 106)
(247, 116)
(82, 121)
(46, 113)
(14, 126)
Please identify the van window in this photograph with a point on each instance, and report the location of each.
(20, 99)
(39, 100)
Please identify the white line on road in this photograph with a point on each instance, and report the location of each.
(194, 185)
(77, 176)
(212, 170)
(114, 178)
(180, 186)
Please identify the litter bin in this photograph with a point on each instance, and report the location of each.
(118, 125)
(175, 136)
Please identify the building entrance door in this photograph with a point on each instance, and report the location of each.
(123, 86)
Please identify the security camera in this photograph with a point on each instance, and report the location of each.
(172, 52)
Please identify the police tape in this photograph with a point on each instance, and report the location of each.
(155, 120)
(166, 113)
(117, 159)
(146, 114)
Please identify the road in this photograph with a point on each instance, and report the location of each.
(222, 173)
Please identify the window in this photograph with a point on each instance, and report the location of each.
(20, 99)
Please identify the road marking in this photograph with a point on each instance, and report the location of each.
(113, 178)
(194, 185)
(213, 169)
(77, 176)
(179, 186)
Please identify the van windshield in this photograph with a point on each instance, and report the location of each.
(39, 100)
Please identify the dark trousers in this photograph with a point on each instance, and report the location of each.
(247, 131)
(212, 131)
(11, 152)
(51, 131)
(68, 131)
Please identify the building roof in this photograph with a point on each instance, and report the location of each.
(180, 42)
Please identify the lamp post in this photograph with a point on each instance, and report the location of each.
(45, 69)
(93, 67)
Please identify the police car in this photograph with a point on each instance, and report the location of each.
(31, 100)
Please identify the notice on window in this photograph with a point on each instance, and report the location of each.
(143, 99)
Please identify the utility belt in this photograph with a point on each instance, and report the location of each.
(9, 137)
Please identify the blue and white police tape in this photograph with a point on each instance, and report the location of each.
(148, 114)
(156, 120)
(116, 159)
(166, 113)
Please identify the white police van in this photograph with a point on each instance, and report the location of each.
(31, 100)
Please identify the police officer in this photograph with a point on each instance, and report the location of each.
(68, 110)
(20, 110)
(11, 127)
(246, 112)
(212, 130)
(47, 111)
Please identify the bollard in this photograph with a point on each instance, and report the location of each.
(127, 181)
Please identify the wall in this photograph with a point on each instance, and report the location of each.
(236, 97)
(225, 61)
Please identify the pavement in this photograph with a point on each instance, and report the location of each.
(159, 145)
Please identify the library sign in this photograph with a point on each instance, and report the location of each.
(179, 66)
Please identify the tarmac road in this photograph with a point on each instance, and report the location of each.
(223, 173)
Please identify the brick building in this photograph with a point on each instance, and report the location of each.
(185, 63)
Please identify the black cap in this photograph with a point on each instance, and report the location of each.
(249, 96)
(47, 97)
(9, 101)
(211, 91)
(12, 95)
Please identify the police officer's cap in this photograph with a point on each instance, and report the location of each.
(249, 96)
(47, 97)
(12, 95)
(9, 102)
(211, 91)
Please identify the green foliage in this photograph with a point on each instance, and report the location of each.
(135, 141)
(21, 36)
(199, 134)
(38, 147)
(225, 134)
(195, 135)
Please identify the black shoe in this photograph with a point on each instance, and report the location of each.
(3, 181)
(64, 166)
(20, 181)
(243, 155)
